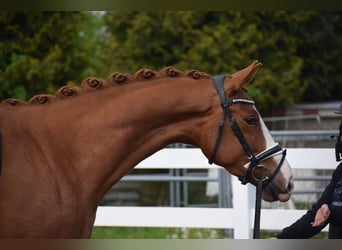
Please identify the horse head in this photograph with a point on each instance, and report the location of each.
(244, 145)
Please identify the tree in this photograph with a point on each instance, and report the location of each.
(301, 51)
(214, 42)
(40, 51)
(320, 44)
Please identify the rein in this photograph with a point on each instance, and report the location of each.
(253, 160)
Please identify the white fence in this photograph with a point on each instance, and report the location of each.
(240, 217)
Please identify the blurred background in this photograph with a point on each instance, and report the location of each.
(296, 90)
(301, 50)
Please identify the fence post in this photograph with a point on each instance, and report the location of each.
(243, 203)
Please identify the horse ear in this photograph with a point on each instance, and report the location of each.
(242, 77)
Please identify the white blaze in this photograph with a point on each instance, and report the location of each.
(285, 168)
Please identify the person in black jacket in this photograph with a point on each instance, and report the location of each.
(326, 210)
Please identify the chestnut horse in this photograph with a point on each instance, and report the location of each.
(61, 153)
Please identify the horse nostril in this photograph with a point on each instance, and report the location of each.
(290, 185)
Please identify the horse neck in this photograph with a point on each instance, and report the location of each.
(144, 118)
(100, 136)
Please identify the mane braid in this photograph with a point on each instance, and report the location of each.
(114, 79)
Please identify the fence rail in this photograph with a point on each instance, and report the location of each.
(240, 217)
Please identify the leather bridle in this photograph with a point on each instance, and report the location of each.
(254, 160)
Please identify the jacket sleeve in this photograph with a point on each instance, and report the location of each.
(302, 229)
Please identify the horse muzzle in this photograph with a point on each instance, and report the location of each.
(277, 181)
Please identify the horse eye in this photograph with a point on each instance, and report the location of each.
(251, 120)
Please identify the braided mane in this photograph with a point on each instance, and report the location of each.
(114, 79)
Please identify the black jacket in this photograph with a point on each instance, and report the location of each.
(332, 195)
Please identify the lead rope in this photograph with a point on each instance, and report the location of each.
(256, 231)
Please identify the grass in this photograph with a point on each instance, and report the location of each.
(156, 233)
(173, 233)
(268, 234)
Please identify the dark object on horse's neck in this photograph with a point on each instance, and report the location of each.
(0, 153)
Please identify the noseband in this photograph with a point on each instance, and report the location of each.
(253, 160)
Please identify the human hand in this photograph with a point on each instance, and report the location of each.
(322, 215)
